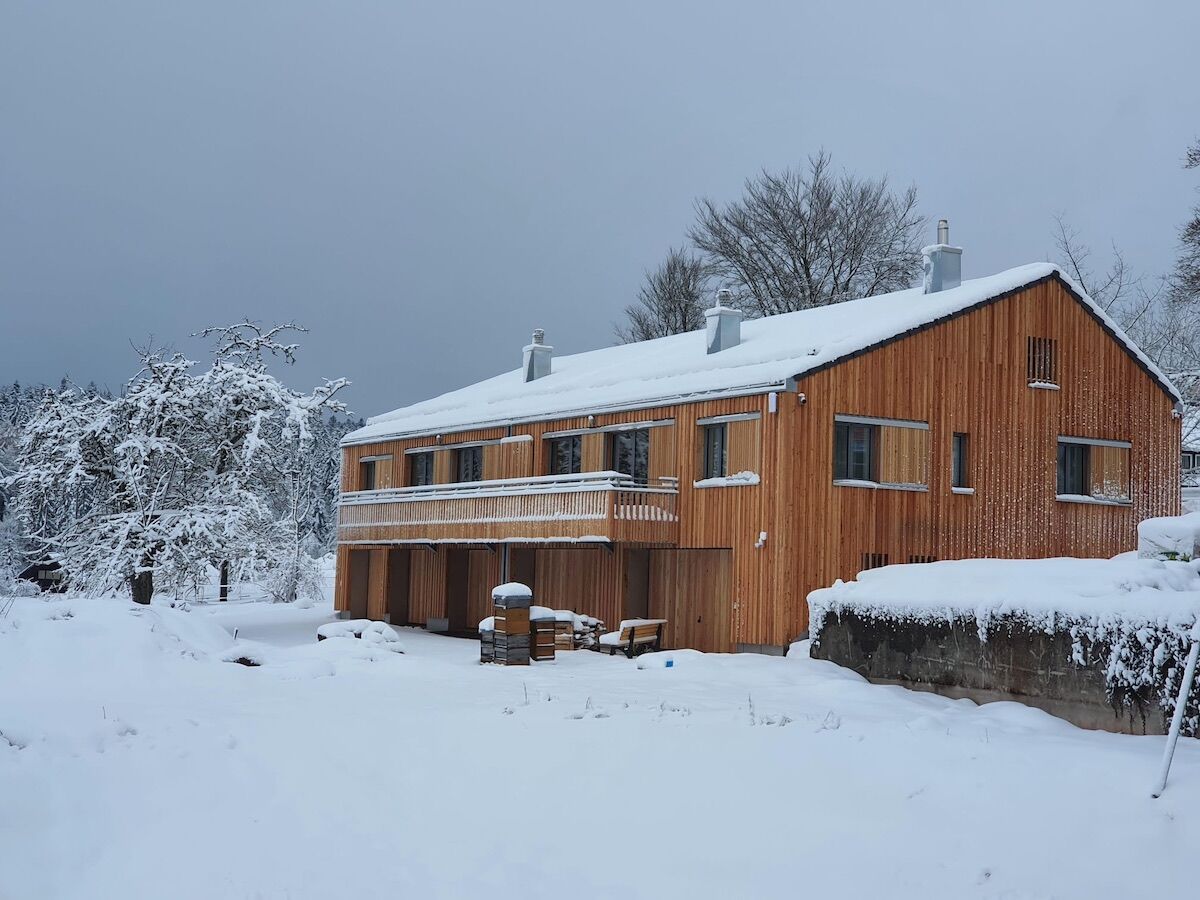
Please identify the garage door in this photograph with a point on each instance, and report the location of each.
(692, 590)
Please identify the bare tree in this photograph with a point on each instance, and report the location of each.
(670, 301)
(1185, 281)
(1162, 320)
(805, 238)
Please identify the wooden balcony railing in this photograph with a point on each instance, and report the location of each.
(593, 506)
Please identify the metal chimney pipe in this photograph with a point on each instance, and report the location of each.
(943, 231)
(539, 336)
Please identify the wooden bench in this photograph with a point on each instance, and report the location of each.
(633, 637)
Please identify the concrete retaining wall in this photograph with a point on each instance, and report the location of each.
(1016, 662)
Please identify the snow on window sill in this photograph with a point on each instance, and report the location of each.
(1088, 499)
(1044, 385)
(741, 478)
(962, 490)
(879, 485)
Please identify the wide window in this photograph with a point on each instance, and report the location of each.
(468, 463)
(630, 453)
(715, 451)
(1093, 469)
(420, 469)
(872, 452)
(566, 455)
(959, 461)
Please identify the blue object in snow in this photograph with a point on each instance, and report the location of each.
(669, 663)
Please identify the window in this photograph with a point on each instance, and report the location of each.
(566, 455)
(1093, 469)
(1041, 365)
(890, 453)
(874, 561)
(469, 463)
(1189, 461)
(854, 451)
(715, 454)
(959, 459)
(366, 475)
(1072, 469)
(420, 469)
(630, 453)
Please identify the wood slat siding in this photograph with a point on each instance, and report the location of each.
(968, 375)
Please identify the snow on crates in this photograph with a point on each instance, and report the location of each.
(378, 633)
(1169, 537)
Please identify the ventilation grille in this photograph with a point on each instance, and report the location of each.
(1041, 360)
(922, 559)
(873, 561)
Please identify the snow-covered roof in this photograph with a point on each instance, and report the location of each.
(677, 368)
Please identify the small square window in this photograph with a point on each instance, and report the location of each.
(715, 455)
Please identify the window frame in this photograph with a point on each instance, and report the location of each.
(574, 454)
(714, 457)
(1068, 446)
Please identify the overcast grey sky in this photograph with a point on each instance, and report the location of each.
(422, 184)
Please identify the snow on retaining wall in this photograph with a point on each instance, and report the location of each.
(1127, 619)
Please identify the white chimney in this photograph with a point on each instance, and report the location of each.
(722, 323)
(943, 263)
(536, 358)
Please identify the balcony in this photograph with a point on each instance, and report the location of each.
(594, 506)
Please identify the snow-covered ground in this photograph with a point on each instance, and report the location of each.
(136, 763)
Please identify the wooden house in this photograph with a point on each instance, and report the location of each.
(714, 478)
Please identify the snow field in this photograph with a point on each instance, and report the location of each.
(138, 763)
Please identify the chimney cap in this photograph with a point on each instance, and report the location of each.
(943, 231)
(539, 336)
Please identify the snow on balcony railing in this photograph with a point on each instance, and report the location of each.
(580, 497)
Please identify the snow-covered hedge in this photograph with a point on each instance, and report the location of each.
(1129, 617)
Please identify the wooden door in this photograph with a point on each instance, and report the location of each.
(360, 579)
(692, 590)
(637, 584)
(458, 584)
(398, 586)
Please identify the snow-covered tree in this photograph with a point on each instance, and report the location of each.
(182, 472)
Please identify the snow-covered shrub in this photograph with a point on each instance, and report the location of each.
(1169, 537)
(1129, 618)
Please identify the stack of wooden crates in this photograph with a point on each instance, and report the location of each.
(510, 641)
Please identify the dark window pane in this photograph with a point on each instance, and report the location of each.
(1072, 468)
(470, 464)
(714, 451)
(566, 455)
(367, 475)
(631, 453)
(421, 469)
(854, 451)
(959, 463)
